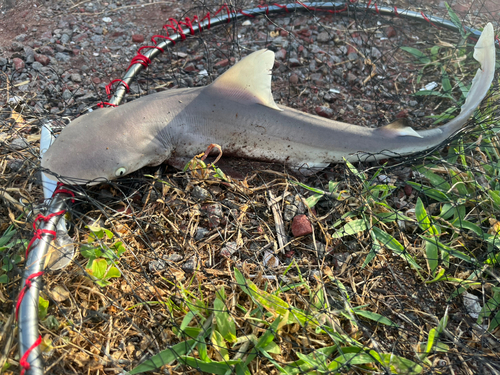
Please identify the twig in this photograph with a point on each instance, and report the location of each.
(278, 221)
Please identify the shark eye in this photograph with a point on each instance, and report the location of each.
(120, 171)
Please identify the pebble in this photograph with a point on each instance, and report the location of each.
(200, 194)
(175, 257)
(42, 59)
(157, 265)
(137, 38)
(390, 32)
(16, 46)
(75, 77)
(18, 64)
(19, 144)
(324, 111)
(200, 233)
(62, 57)
(323, 37)
(301, 226)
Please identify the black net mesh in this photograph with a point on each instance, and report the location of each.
(248, 267)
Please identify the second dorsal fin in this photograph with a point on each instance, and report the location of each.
(399, 128)
(249, 81)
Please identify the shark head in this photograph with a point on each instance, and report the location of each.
(96, 148)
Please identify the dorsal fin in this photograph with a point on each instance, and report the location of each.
(249, 81)
(399, 128)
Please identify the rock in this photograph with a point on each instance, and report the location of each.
(18, 64)
(16, 47)
(75, 77)
(157, 265)
(324, 112)
(376, 53)
(175, 257)
(200, 194)
(200, 233)
(301, 226)
(281, 54)
(65, 38)
(36, 66)
(229, 249)
(293, 62)
(30, 54)
(351, 77)
(19, 144)
(137, 38)
(323, 37)
(189, 265)
(62, 57)
(290, 211)
(46, 50)
(21, 37)
(222, 63)
(390, 32)
(97, 38)
(67, 95)
(3, 61)
(294, 79)
(42, 59)
(15, 165)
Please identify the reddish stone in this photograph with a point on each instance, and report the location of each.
(284, 33)
(75, 51)
(324, 112)
(116, 34)
(18, 64)
(408, 190)
(46, 50)
(350, 49)
(42, 59)
(190, 68)
(390, 32)
(280, 55)
(301, 226)
(137, 38)
(402, 114)
(222, 63)
(300, 49)
(294, 78)
(96, 80)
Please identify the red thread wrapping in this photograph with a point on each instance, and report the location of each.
(38, 236)
(23, 362)
(26, 286)
(61, 190)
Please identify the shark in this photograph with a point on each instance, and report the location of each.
(237, 112)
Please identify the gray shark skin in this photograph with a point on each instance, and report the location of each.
(237, 111)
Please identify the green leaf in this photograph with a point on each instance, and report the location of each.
(225, 322)
(4, 279)
(455, 19)
(220, 345)
(333, 186)
(313, 200)
(432, 256)
(375, 317)
(212, 367)
(7, 236)
(307, 362)
(344, 361)
(43, 307)
(448, 250)
(430, 192)
(113, 272)
(98, 269)
(314, 190)
(423, 219)
(165, 357)
(385, 239)
(350, 228)
(422, 57)
(89, 251)
(272, 348)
